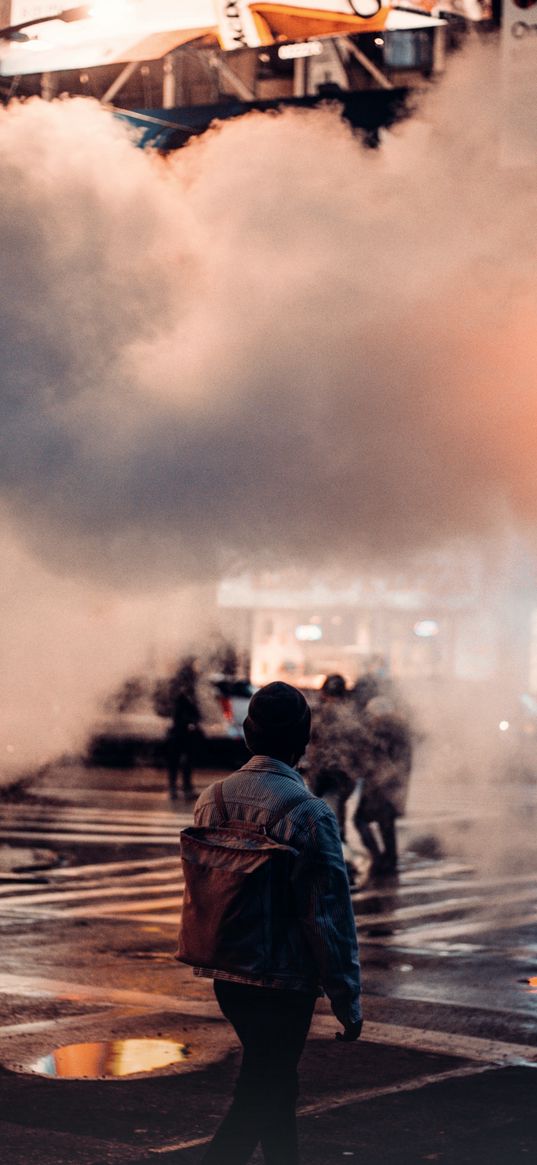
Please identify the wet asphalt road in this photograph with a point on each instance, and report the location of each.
(443, 1071)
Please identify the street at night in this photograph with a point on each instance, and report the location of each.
(445, 1069)
(268, 582)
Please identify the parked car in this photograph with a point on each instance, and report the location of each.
(124, 739)
(224, 704)
(137, 736)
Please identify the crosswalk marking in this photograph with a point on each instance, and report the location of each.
(153, 892)
(410, 887)
(88, 825)
(434, 932)
(431, 902)
(93, 812)
(83, 837)
(100, 892)
(167, 829)
(448, 906)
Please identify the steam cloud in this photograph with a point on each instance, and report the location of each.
(276, 344)
(273, 346)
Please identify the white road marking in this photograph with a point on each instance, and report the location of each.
(340, 1100)
(88, 813)
(116, 909)
(107, 1012)
(406, 888)
(147, 829)
(474, 902)
(25, 891)
(86, 838)
(21, 903)
(494, 923)
(438, 1042)
(472, 1048)
(111, 868)
(151, 891)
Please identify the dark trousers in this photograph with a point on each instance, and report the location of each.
(179, 755)
(272, 1026)
(384, 860)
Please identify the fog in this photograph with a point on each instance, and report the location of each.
(274, 347)
(66, 644)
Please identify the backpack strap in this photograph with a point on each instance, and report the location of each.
(220, 803)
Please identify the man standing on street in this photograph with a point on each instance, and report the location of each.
(314, 950)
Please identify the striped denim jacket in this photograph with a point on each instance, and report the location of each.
(320, 948)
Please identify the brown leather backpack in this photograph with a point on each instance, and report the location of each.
(237, 893)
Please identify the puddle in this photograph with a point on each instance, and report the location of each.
(110, 1059)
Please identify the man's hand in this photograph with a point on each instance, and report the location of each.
(350, 1033)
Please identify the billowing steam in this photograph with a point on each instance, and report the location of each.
(67, 643)
(274, 346)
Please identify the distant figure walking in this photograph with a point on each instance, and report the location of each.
(182, 735)
(385, 785)
(332, 756)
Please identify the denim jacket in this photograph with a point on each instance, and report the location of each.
(319, 950)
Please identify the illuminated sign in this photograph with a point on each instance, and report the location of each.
(290, 52)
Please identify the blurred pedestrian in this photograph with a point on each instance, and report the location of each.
(337, 755)
(385, 785)
(279, 960)
(330, 761)
(184, 731)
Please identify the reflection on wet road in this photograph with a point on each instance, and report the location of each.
(425, 935)
(111, 1058)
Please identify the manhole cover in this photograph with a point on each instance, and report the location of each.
(111, 1058)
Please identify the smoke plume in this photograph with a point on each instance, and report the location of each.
(275, 346)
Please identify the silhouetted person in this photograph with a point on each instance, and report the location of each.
(308, 947)
(385, 786)
(182, 736)
(330, 763)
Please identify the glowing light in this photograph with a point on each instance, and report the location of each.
(290, 52)
(503, 725)
(379, 40)
(426, 628)
(308, 632)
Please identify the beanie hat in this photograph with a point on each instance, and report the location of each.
(278, 719)
(334, 685)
